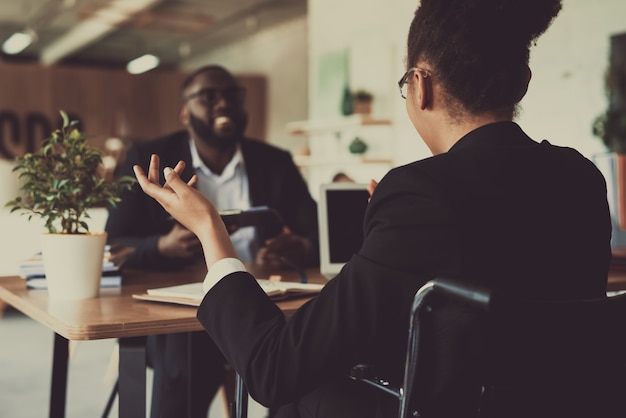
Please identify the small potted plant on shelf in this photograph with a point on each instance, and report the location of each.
(61, 182)
(362, 102)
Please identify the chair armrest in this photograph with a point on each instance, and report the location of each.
(365, 373)
(474, 295)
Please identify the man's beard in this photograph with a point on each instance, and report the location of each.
(223, 141)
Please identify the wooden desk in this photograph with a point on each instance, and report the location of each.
(617, 278)
(115, 314)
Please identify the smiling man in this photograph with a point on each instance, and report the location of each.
(234, 172)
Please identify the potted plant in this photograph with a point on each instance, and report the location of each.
(357, 146)
(362, 102)
(610, 126)
(60, 183)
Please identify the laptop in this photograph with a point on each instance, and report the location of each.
(341, 210)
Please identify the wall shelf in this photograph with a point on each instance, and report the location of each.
(328, 149)
(309, 127)
(305, 161)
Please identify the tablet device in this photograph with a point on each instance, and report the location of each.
(259, 216)
(341, 210)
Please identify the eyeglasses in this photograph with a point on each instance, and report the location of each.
(210, 96)
(404, 81)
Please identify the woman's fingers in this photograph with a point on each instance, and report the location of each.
(174, 186)
(152, 189)
(153, 169)
(146, 185)
(179, 168)
(173, 180)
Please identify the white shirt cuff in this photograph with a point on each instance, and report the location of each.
(221, 269)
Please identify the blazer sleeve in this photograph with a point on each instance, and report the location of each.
(275, 181)
(297, 206)
(360, 316)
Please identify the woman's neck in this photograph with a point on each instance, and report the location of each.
(450, 132)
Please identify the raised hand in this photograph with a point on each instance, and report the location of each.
(189, 207)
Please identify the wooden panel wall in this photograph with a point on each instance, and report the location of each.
(109, 103)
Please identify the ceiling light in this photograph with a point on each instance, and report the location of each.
(142, 64)
(17, 42)
(184, 49)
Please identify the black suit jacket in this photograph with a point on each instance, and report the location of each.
(274, 180)
(498, 207)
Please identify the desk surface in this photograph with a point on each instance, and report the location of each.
(115, 314)
(617, 278)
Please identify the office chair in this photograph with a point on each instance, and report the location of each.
(475, 352)
(239, 407)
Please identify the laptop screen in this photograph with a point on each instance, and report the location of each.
(341, 210)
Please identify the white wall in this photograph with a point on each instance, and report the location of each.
(375, 33)
(568, 64)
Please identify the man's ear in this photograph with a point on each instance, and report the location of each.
(184, 115)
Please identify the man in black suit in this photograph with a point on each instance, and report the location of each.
(491, 205)
(234, 172)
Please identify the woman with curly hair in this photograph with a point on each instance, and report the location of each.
(490, 206)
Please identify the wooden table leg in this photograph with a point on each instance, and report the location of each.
(58, 389)
(3, 307)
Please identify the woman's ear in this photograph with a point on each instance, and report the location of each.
(424, 90)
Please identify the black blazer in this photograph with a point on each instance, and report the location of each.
(498, 207)
(273, 178)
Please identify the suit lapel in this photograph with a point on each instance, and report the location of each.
(257, 175)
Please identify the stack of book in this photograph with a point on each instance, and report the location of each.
(32, 269)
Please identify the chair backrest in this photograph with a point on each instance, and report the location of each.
(474, 352)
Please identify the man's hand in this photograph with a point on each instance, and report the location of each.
(286, 250)
(179, 243)
(371, 187)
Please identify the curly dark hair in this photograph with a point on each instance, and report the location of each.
(478, 50)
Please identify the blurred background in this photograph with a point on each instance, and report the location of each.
(306, 66)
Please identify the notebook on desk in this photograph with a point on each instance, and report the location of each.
(192, 293)
(341, 210)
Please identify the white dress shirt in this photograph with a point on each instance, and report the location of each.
(228, 191)
(221, 269)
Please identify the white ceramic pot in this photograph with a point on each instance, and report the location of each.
(73, 264)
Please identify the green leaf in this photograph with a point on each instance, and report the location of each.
(66, 119)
